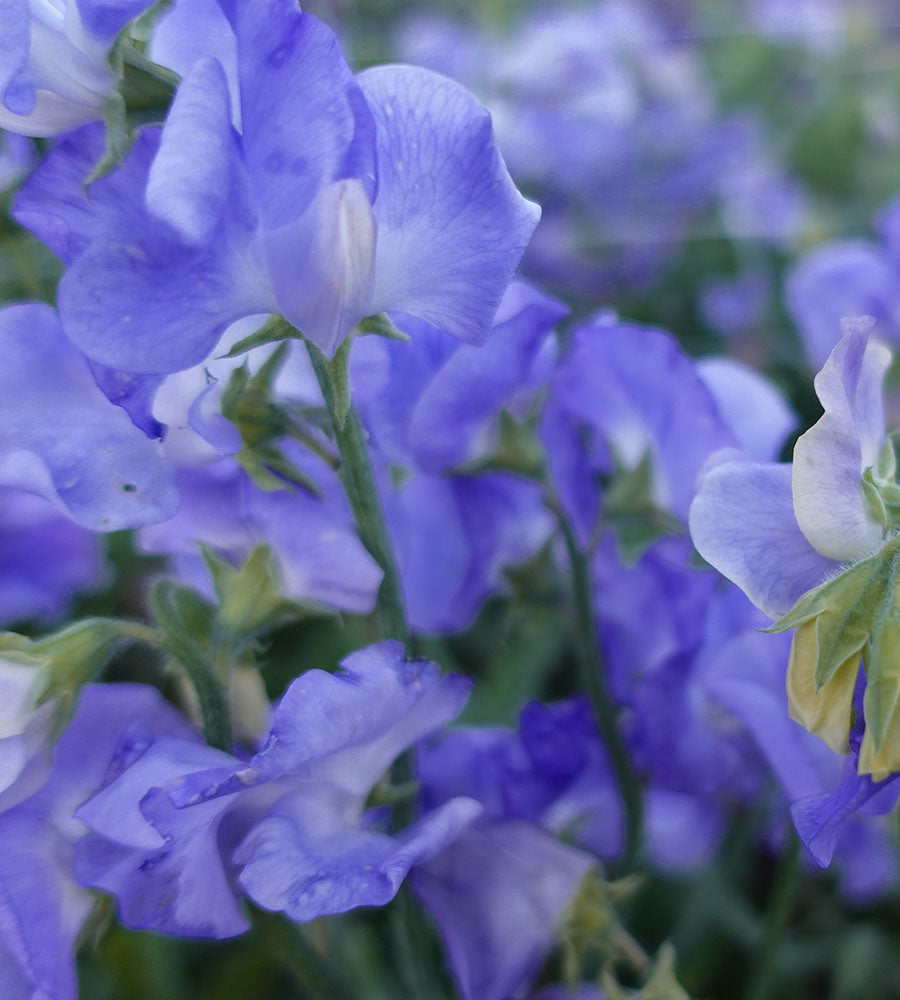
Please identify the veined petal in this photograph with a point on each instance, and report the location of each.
(830, 457)
(305, 121)
(742, 521)
(451, 224)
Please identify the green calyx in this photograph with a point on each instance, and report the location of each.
(880, 489)
(854, 615)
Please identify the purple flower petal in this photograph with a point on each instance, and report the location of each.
(742, 521)
(189, 183)
(839, 281)
(756, 412)
(308, 873)
(64, 440)
(106, 18)
(451, 224)
(497, 895)
(830, 457)
(375, 708)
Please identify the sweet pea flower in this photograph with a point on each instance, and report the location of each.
(814, 542)
(432, 408)
(54, 70)
(341, 197)
(499, 891)
(845, 278)
(777, 530)
(179, 837)
(42, 908)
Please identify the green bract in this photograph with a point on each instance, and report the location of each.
(854, 614)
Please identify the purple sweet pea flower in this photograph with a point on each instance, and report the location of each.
(319, 554)
(181, 834)
(42, 909)
(498, 892)
(54, 70)
(780, 530)
(844, 279)
(341, 197)
(635, 393)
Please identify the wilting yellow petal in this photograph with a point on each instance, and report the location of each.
(825, 712)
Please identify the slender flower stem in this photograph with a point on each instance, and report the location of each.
(594, 679)
(779, 908)
(359, 484)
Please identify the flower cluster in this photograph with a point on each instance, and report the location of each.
(441, 595)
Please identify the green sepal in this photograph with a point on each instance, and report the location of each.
(143, 94)
(247, 403)
(845, 610)
(120, 137)
(186, 622)
(517, 449)
(882, 497)
(662, 983)
(334, 379)
(380, 325)
(250, 598)
(273, 331)
(630, 510)
(882, 661)
(70, 659)
(590, 926)
(886, 463)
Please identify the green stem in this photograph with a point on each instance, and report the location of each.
(361, 489)
(359, 484)
(314, 973)
(778, 911)
(605, 711)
